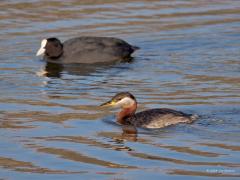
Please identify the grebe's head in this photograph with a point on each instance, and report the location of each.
(51, 47)
(122, 99)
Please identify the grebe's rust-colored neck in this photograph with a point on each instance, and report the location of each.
(126, 112)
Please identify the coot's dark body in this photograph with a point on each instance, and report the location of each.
(88, 50)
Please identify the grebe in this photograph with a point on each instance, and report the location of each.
(86, 50)
(152, 118)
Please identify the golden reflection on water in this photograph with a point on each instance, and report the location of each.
(197, 173)
(74, 156)
(28, 167)
(177, 161)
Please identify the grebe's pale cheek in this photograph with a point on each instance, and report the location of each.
(42, 49)
(125, 102)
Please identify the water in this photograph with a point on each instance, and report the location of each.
(52, 127)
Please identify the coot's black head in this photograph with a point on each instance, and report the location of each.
(51, 47)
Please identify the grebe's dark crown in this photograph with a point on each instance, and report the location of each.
(118, 97)
(121, 95)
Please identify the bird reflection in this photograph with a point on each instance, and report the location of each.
(55, 70)
(129, 133)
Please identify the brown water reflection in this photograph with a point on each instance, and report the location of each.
(189, 60)
(230, 147)
(197, 173)
(28, 167)
(183, 162)
(91, 142)
(71, 155)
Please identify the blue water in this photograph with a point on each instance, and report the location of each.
(52, 126)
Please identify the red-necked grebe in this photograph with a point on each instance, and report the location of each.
(152, 118)
(86, 50)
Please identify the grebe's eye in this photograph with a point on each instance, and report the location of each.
(119, 99)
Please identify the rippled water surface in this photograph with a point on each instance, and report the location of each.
(52, 127)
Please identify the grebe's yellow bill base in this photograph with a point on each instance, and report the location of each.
(151, 118)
